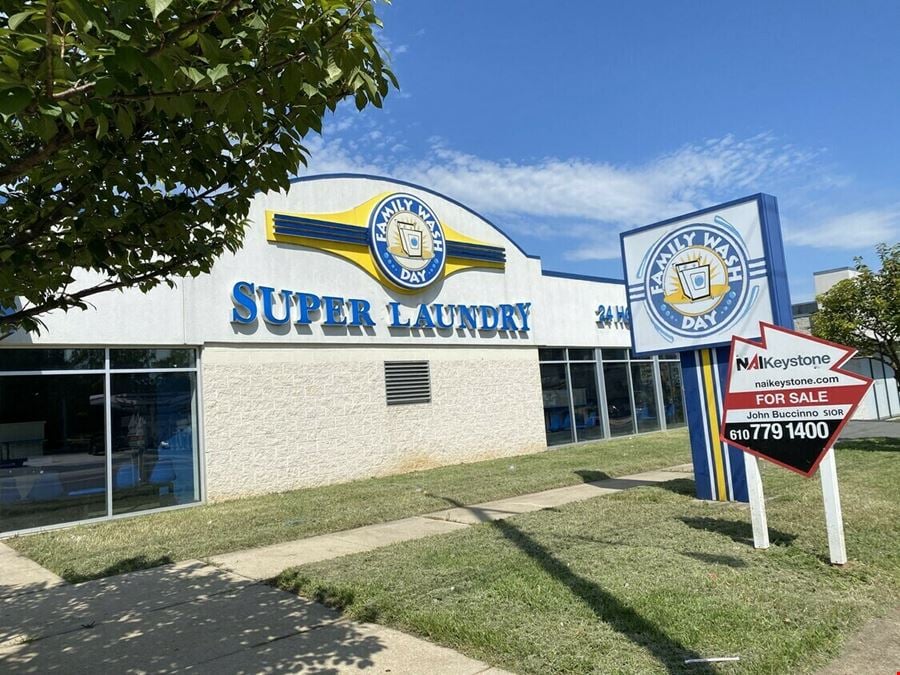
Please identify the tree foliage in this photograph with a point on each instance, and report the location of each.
(133, 133)
(864, 312)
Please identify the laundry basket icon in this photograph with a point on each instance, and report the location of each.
(411, 240)
(694, 279)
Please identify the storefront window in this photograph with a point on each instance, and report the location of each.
(50, 359)
(618, 399)
(645, 409)
(588, 422)
(552, 354)
(153, 441)
(54, 442)
(673, 396)
(52, 450)
(131, 359)
(557, 413)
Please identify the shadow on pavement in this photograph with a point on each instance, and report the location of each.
(173, 618)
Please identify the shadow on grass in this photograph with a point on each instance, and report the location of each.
(134, 564)
(335, 597)
(682, 486)
(715, 559)
(607, 607)
(737, 530)
(874, 444)
(591, 476)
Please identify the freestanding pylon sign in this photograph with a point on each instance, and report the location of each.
(712, 285)
(694, 282)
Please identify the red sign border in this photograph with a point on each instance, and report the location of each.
(761, 342)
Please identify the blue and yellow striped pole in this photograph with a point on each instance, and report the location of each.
(718, 468)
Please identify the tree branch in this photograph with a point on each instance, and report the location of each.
(69, 300)
(15, 170)
(48, 28)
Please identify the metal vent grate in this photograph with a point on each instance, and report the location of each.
(407, 382)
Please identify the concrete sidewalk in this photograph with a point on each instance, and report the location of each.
(195, 617)
(22, 575)
(268, 561)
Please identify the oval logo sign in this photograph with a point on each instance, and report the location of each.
(407, 241)
(696, 283)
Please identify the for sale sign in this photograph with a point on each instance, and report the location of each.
(787, 397)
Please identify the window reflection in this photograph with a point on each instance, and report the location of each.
(128, 359)
(673, 398)
(588, 424)
(557, 416)
(618, 400)
(153, 440)
(645, 409)
(51, 359)
(52, 450)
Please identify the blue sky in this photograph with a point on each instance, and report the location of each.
(568, 122)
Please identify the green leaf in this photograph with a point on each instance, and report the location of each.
(16, 19)
(334, 73)
(14, 99)
(195, 75)
(47, 128)
(102, 126)
(28, 45)
(217, 73)
(104, 87)
(127, 58)
(123, 122)
(209, 46)
(119, 34)
(157, 7)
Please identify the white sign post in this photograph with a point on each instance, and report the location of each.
(757, 502)
(834, 521)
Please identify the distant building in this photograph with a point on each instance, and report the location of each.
(882, 401)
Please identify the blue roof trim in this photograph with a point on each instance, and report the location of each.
(326, 176)
(582, 277)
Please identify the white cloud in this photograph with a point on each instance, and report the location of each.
(582, 200)
(849, 230)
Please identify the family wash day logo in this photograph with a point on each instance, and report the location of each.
(696, 279)
(407, 241)
(396, 237)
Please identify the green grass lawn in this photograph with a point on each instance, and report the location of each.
(639, 581)
(92, 551)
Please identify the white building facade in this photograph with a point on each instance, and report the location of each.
(367, 327)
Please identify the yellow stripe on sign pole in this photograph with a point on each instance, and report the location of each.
(713, 417)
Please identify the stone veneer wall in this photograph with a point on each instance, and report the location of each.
(281, 418)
